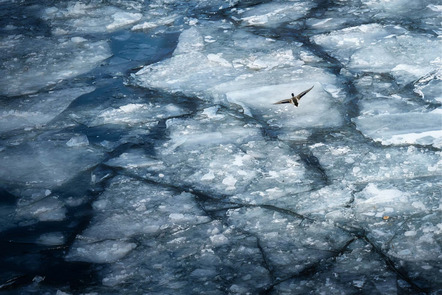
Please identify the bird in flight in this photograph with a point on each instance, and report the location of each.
(295, 99)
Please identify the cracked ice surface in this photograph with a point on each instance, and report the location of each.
(141, 153)
(236, 68)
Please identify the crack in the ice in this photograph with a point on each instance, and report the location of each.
(320, 265)
(391, 265)
(361, 233)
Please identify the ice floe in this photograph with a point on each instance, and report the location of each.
(47, 62)
(246, 71)
(37, 110)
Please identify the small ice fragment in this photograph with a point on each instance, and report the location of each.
(410, 233)
(218, 240)
(78, 39)
(211, 112)
(404, 252)
(208, 176)
(51, 239)
(78, 141)
(101, 252)
(230, 181)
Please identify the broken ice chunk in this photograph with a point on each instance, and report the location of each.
(275, 13)
(77, 141)
(49, 62)
(100, 252)
(377, 48)
(37, 110)
(403, 128)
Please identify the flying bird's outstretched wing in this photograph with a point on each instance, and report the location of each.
(304, 93)
(283, 101)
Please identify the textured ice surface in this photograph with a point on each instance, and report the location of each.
(275, 13)
(384, 49)
(47, 163)
(78, 17)
(404, 128)
(47, 62)
(37, 110)
(220, 154)
(136, 113)
(141, 152)
(347, 161)
(409, 58)
(250, 71)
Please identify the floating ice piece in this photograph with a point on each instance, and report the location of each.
(38, 110)
(88, 18)
(354, 267)
(274, 14)
(145, 209)
(133, 159)
(100, 252)
(52, 239)
(47, 209)
(399, 218)
(405, 128)
(349, 161)
(153, 23)
(289, 244)
(49, 62)
(122, 19)
(429, 86)
(393, 8)
(78, 141)
(316, 109)
(376, 48)
(137, 113)
(192, 260)
(249, 71)
(212, 113)
(344, 43)
(45, 163)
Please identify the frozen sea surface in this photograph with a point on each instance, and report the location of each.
(141, 152)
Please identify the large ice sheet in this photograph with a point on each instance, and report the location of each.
(386, 116)
(393, 116)
(403, 128)
(146, 209)
(48, 61)
(348, 161)
(290, 244)
(218, 154)
(209, 258)
(163, 239)
(384, 49)
(402, 219)
(250, 71)
(317, 108)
